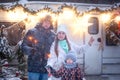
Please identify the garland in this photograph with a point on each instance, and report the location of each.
(7, 8)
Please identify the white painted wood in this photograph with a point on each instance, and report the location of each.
(111, 69)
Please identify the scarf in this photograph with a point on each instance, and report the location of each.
(64, 45)
(69, 66)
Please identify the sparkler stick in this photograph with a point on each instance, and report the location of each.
(33, 41)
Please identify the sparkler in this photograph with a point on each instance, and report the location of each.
(33, 41)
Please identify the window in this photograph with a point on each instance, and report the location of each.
(94, 27)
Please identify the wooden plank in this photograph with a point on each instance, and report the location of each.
(111, 69)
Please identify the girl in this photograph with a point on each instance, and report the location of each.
(60, 48)
(69, 70)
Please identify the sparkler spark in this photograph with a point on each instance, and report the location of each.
(30, 38)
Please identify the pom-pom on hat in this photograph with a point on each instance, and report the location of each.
(71, 55)
(63, 28)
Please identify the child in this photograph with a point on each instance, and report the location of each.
(69, 70)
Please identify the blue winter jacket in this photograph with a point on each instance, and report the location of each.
(36, 44)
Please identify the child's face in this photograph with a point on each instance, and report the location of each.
(69, 61)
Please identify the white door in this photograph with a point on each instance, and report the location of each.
(92, 58)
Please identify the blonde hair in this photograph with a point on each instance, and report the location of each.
(47, 18)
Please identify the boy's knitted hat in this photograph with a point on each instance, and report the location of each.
(71, 55)
(63, 28)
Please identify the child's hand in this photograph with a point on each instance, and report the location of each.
(48, 69)
(49, 72)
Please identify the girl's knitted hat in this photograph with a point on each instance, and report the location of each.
(63, 28)
(71, 55)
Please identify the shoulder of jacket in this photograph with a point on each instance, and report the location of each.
(53, 44)
(31, 31)
(53, 31)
